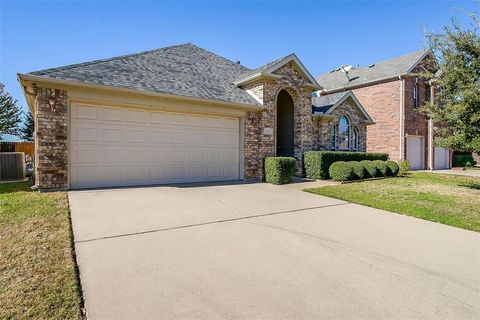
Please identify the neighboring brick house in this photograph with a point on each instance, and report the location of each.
(178, 114)
(392, 94)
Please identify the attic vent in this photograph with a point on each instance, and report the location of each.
(372, 65)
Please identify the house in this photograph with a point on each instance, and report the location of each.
(392, 94)
(178, 114)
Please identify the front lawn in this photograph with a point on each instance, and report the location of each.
(37, 272)
(448, 199)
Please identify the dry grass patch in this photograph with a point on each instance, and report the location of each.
(37, 274)
(448, 199)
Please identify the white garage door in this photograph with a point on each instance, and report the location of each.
(118, 147)
(415, 152)
(442, 158)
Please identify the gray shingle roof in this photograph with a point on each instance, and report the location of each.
(337, 79)
(260, 69)
(184, 70)
(325, 102)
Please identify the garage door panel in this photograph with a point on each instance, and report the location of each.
(85, 134)
(112, 115)
(135, 136)
(442, 158)
(158, 137)
(415, 152)
(111, 156)
(135, 173)
(86, 112)
(113, 147)
(86, 156)
(112, 174)
(111, 135)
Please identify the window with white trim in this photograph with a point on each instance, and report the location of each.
(355, 139)
(333, 137)
(415, 94)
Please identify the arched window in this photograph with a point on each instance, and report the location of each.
(344, 133)
(333, 137)
(355, 139)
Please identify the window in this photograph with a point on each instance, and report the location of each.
(441, 97)
(415, 94)
(333, 137)
(344, 133)
(428, 94)
(355, 139)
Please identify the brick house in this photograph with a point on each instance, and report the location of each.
(392, 94)
(179, 114)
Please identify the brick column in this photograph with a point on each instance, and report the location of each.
(51, 157)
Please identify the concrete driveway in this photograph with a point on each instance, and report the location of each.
(257, 251)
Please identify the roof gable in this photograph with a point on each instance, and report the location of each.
(326, 104)
(383, 70)
(268, 70)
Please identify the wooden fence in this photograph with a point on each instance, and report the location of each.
(12, 166)
(26, 147)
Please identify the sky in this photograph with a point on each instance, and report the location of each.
(35, 35)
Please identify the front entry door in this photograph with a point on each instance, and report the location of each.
(285, 125)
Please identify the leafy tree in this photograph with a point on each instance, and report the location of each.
(457, 111)
(10, 114)
(26, 132)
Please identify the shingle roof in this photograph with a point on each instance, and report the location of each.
(259, 69)
(337, 79)
(325, 102)
(184, 70)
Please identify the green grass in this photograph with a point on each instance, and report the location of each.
(448, 199)
(38, 278)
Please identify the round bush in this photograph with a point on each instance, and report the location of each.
(359, 171)
(381, 166)
(341, 171)
(392, 168)
(371, 169)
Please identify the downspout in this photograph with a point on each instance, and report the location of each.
(430, 133)
(402, 111)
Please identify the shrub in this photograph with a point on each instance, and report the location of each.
(279, 170)
(358, 170)
(462, 160)
(381, 166)
(371, 169)
(392, 168)
(317, 163)
(341, 171)
(404, 167)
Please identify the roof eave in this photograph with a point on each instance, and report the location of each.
(26, 79)
(255, 77)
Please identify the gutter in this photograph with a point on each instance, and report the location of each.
(25, 78)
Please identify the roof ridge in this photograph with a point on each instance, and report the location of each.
(397, 57)
(219, 56)
(89, 63)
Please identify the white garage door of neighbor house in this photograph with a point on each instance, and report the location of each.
(415, 152)
(442, 158)
(120, 147)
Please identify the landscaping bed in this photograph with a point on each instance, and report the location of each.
(38, 278)
(447, 199)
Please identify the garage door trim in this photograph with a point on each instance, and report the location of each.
(73, 105)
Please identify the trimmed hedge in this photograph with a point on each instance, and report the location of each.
(392, 168)
(279, 170)
(341, 171)
(358, 169)
(381, 166)
(462, 160)
(317, 163)
(371, 168)
(404, 167)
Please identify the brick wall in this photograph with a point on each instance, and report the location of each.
(382, 103)
(258, 145)
(51, 155)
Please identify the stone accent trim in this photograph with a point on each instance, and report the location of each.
(51, 142)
